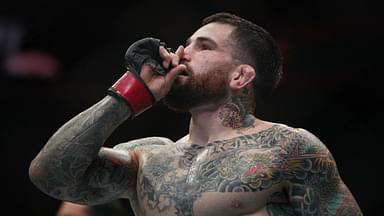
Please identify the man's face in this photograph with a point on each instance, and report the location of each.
(209, 62)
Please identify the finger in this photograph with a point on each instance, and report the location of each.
(175, 60)
(172, 74)
(177, 56)
(167, 59)
(163, 52)
(180, 51)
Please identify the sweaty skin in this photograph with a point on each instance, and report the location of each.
(230, 163)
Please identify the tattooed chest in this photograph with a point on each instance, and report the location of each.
(173, 182)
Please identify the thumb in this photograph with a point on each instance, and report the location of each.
(147, 73)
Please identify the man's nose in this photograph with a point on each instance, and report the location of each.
(187, 54)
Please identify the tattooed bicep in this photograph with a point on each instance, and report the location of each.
(113, 174)
(313, 175)
(143, 143)
(129, 154)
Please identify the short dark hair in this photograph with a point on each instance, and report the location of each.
(256, 47)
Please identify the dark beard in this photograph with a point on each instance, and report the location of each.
(199, 90)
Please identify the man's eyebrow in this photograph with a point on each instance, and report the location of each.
(188, 41)
(201, 39)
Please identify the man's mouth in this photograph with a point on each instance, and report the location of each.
(183, 77)
(184, 73)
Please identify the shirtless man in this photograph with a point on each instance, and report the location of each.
(230, 162)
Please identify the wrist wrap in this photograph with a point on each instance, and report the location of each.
(134, 92)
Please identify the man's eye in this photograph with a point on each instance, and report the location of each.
(204, 47)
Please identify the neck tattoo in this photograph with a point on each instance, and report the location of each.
(236, 113)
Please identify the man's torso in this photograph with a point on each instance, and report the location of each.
(237, 176)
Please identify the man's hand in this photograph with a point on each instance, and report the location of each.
(158, 84)
(151, 72)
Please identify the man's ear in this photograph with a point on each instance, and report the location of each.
(242, 76)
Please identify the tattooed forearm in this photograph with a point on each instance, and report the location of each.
(64, 163)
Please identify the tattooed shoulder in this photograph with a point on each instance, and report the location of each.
(315, 186)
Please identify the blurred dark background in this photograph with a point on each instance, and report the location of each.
(57, 61)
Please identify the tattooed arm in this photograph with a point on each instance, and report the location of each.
(72, 167)
(315, 186)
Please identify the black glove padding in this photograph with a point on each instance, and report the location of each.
(145, 51)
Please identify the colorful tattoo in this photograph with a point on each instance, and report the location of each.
(236, 113)
(171, 178)
(249, 163)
